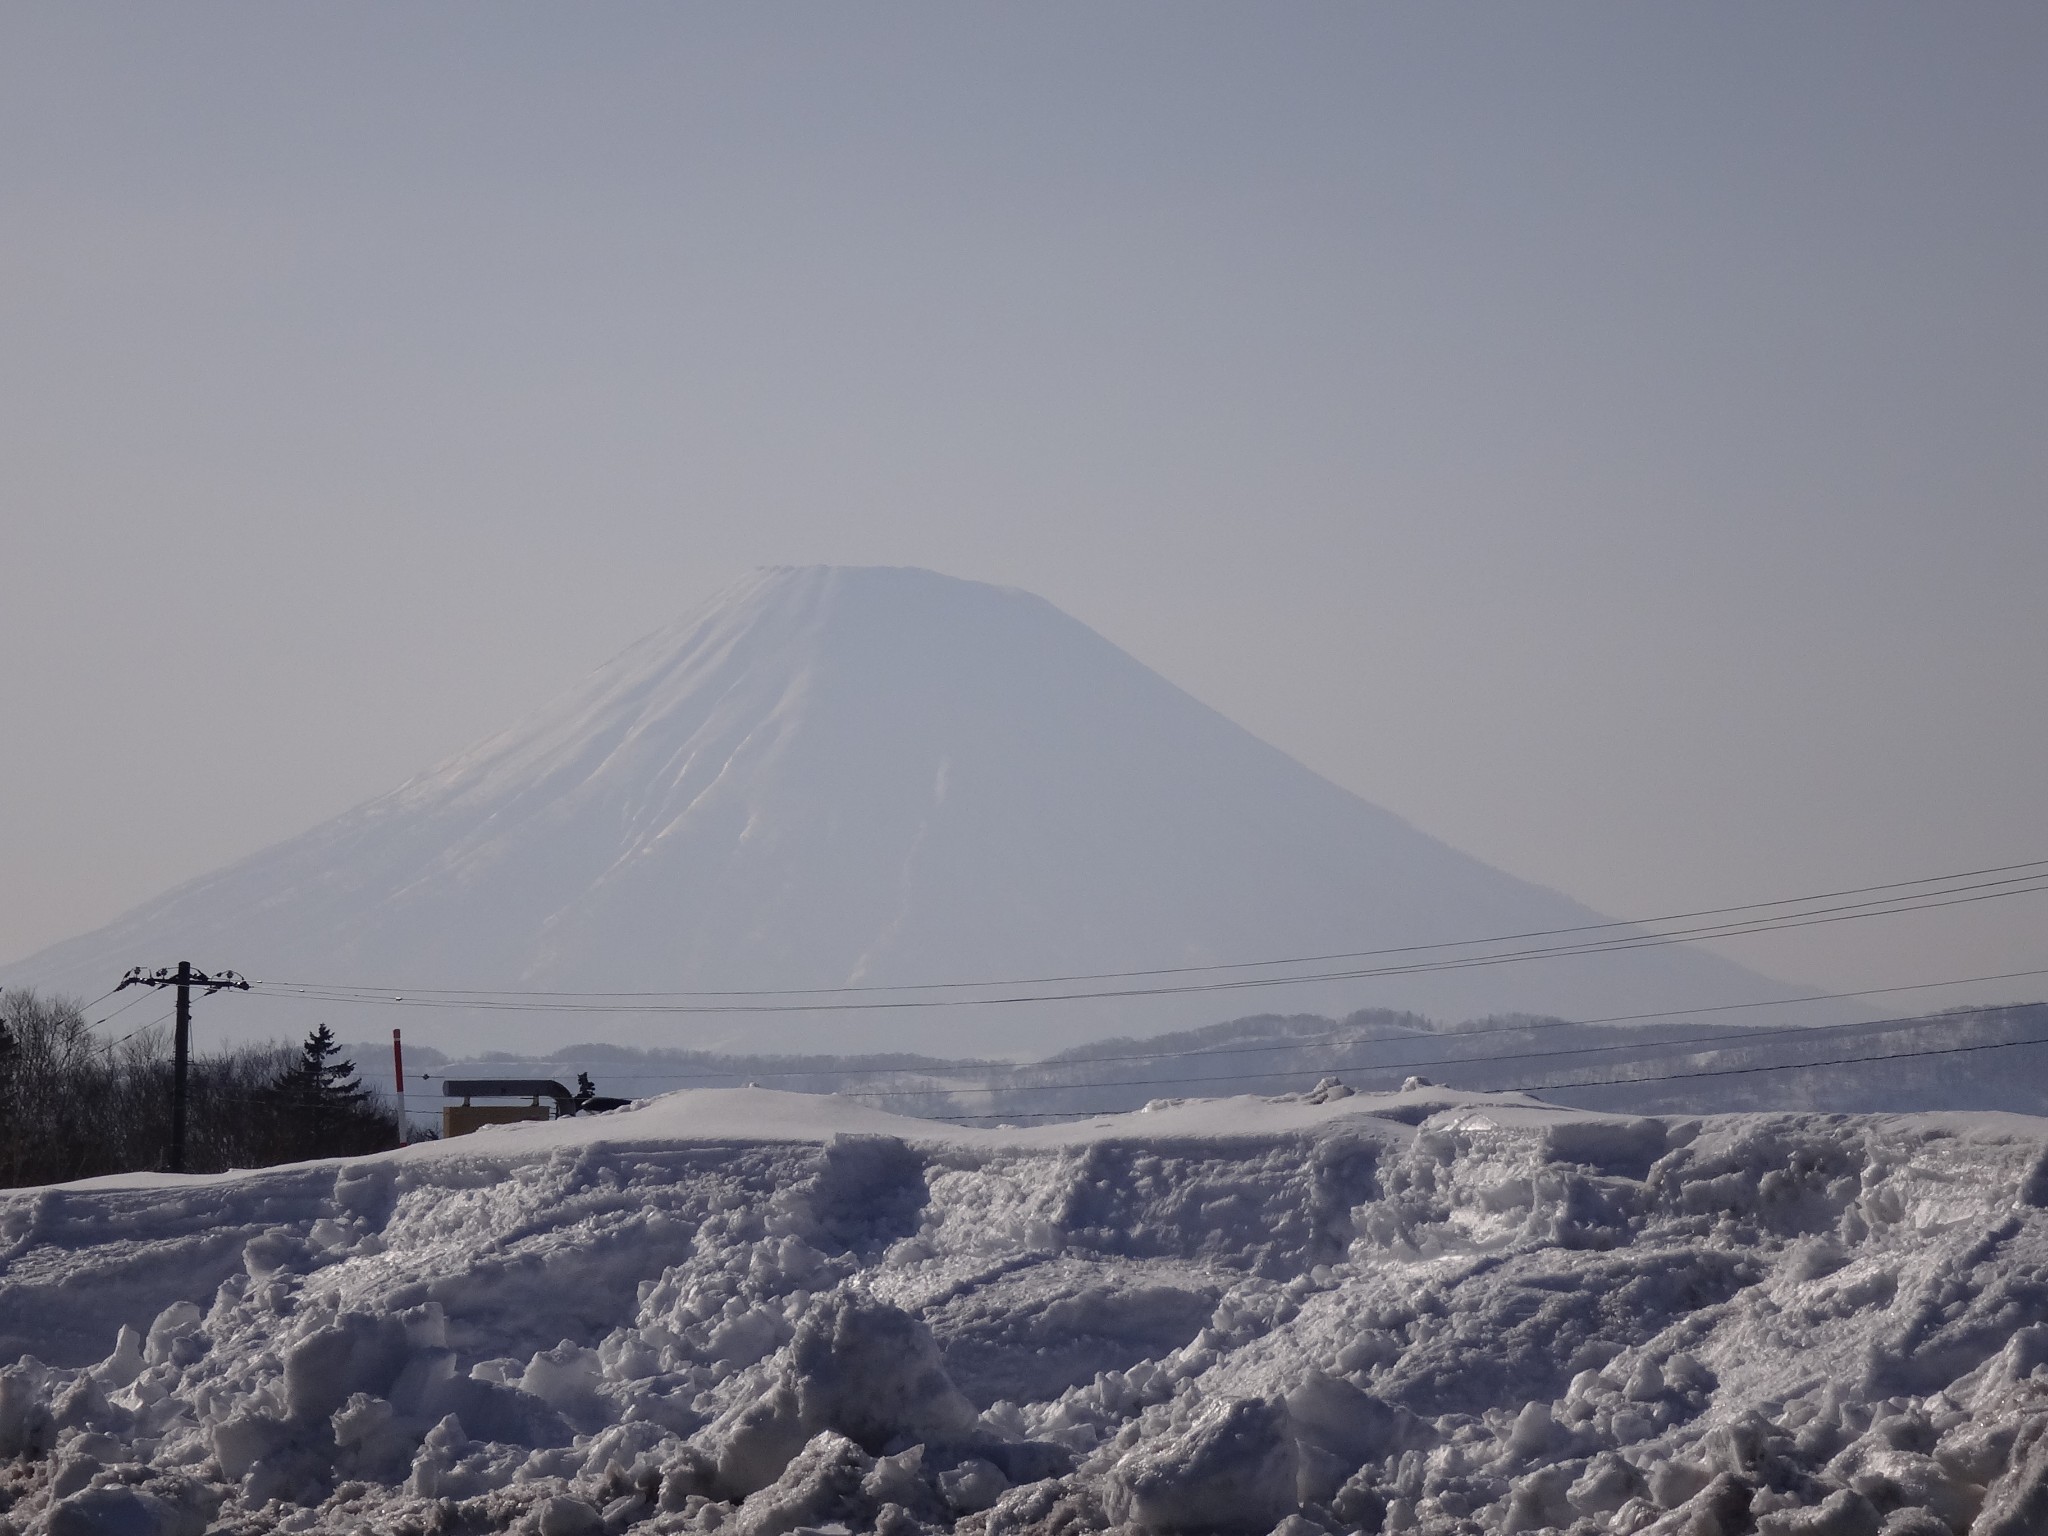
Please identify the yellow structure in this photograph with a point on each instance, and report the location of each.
(461, 1119)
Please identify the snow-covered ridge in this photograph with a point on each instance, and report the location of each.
(764, 1312)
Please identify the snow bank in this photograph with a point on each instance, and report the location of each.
(766, 1313)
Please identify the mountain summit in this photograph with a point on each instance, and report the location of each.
(832, 777)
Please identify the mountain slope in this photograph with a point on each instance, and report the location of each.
(836, 776)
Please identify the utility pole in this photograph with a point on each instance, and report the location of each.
(184, 978)
(398, 1078)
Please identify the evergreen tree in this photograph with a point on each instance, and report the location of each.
(322, 1080)
(324, 1110)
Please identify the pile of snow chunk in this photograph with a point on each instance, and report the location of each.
(761, 1314)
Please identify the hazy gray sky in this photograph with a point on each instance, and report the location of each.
(1611, 436)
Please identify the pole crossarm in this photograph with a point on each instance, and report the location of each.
(167, 976)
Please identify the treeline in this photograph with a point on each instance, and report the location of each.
(74, 1106)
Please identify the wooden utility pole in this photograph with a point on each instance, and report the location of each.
(398, 1079)
(184, 978)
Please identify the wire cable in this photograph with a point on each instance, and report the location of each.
(517, 1003)
(1085, 976)
(1788, 1066)
(1876, 1026)
(1309, 1042)
(117, 1012)
(112, 1045)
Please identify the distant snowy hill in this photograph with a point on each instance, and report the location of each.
(1982, 1058)
(862, 776)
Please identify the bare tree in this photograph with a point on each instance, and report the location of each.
(73, 1106)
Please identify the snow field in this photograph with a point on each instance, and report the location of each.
(763, 1313)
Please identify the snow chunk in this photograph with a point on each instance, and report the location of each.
(2017, 1504)
(823, 1482)
(119, 1512)
(1232, 1469)
(566, 1515)
(973, 1485)
(857, 1366)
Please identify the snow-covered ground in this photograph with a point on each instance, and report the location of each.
(763, 1312)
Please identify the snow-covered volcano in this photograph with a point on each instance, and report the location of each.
(834, 776)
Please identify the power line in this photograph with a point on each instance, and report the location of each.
(505, 1003)
(1887, 907)
(1874, 1026)
(1307, 1042)
(472, 993)
(113, 1013)
(1788, 1066)
(112, 1045)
